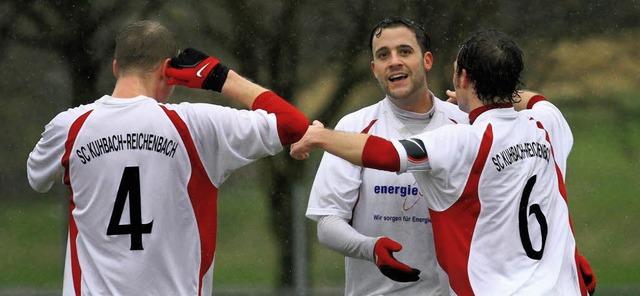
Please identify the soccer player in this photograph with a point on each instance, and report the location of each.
(144, 174)
(495, 188)
(367, 214)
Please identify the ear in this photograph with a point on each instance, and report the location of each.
(428, 61)
(115, 69)
(373, 69)
(165, 65)
(464, 81)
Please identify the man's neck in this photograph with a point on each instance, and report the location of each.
(421, 103)
(131, 87)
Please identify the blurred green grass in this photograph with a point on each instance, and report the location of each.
(32, 243)
(604, 194)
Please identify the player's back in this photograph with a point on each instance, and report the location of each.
(523, 243)
(501, 222)
(139, 196)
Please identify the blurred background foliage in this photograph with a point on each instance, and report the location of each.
(583, 55)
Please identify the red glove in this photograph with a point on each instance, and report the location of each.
(587, 274)
(389, 266)
(195, 69)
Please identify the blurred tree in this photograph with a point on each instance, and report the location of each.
(80, 32)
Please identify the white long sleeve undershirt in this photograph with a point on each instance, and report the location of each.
(336, 233)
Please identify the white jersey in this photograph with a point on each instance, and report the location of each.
(144, 181)
(380, 203)
(498, 202)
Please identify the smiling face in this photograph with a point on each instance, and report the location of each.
(399, 65)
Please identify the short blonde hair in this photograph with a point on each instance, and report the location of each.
(142, 45)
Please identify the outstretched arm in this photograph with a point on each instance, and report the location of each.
(360, 149)
(194, 69)
(348, 146)
(241, 89)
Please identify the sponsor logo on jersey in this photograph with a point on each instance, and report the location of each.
(414, 219)
(396, 190)
(519, 152)
(410, 195)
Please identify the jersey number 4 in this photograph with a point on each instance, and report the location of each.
(523, 217)
(129, 186)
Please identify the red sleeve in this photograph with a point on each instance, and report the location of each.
(534, 100)
(380, 154)
(292, 124)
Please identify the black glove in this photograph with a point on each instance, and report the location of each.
(391, 267)
(195, 69)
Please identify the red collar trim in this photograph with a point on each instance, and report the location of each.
(477, 111)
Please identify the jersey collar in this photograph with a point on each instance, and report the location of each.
(477, 111)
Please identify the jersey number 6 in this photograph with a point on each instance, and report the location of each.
(523, 215)
(129, 186)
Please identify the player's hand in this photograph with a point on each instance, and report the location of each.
(301, 149)
(389, 266)
(194, 69)
(452, 97)
(587, 274)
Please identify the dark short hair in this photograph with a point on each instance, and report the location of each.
(392, 22)
(494, 64)
(140, 46)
